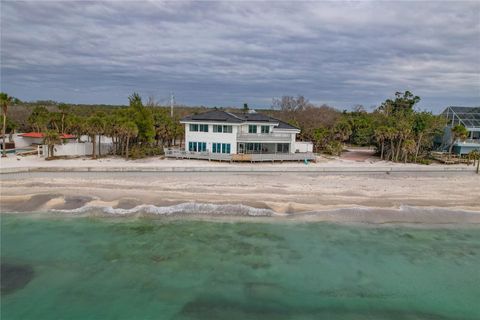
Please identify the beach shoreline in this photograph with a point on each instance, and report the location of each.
(330, 196)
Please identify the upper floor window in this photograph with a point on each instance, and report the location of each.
(265, 129)
(193, 127)
(252, 128)
(220, 128)
(204, 127)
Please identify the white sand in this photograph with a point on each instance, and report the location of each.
(282, 192)
(156, 162)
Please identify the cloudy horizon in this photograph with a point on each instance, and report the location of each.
(229, 53)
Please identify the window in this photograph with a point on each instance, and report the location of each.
(221, 147)
(283, 147)
(265, 129)
(225, 147)
(220, 128)
(253, 147)
(216, 148)
(193, 127)
(204, 128)
(192, 146)
(197, 146)
(252, 128)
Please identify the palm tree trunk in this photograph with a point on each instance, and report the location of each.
(398, 149)
(63, 119)
(383, 147)
(99, 145)
(418, 147)
(128, 140)
(4, 128)
(392, 147)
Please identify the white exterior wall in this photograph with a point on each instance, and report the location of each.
(303, 146)
(292, 140)
(212, 137)
(21, 142)
(77, 149)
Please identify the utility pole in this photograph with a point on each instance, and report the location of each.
(172, 101)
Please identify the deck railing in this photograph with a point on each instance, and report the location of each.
(262, 137)
(183, 154)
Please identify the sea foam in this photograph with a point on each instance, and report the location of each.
(182, 208)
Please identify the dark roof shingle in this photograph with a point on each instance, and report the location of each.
(235, 117)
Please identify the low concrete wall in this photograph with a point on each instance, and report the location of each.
(243, 169)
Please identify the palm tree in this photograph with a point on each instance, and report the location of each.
(130, 130)
(51, 138)
(459, 132)
(5, 100)
(408, 147)
(343, 130)
(39, 119)
(94, 127)
(381, 134)
(63, 110)
(475, 155)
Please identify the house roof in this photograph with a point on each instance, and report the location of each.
(214, 115)
(41, 135)
(236, 117)
(468, 116)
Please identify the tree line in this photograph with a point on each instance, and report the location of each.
(136, 130)
(397, 130)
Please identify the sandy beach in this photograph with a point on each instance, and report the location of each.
(297, 194)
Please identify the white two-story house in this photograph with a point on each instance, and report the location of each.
(224, 132)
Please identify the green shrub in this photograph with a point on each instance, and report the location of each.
(144, 151)
(424, 161)
(334, 148)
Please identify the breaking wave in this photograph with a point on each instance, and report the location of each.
(182, 208)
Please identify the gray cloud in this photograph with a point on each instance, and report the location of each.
(227, 53)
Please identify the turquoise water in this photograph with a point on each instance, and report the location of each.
(87, 268)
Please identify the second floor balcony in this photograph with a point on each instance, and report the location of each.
(264, 137)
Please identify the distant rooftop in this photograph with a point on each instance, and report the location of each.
(236, 117)
(41, 135)
(469, 117)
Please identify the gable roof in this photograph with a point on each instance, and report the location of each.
(236, 117)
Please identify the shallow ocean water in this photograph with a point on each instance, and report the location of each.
(100, 268)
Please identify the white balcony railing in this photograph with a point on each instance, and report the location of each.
(264, 137)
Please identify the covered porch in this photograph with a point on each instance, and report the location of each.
(263, 148)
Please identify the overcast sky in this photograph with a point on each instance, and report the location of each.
(228, 53)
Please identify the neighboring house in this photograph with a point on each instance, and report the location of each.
(221, 132)
(469, 117)
(36, 138)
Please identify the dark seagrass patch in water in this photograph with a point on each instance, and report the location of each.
(15, 277)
